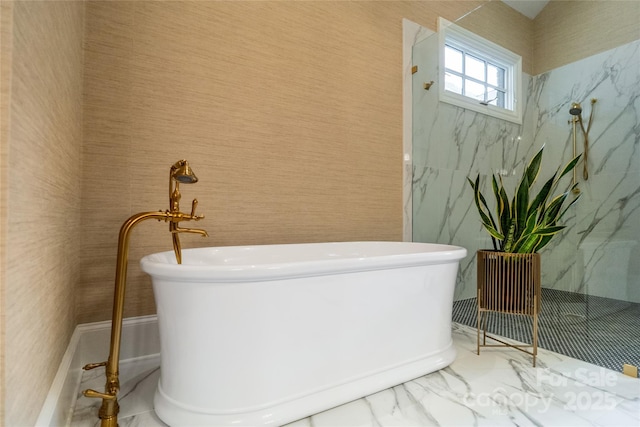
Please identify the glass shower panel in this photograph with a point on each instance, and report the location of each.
(451, 144)
(424, 109)
(591, 272)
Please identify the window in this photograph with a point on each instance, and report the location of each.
(479, 75)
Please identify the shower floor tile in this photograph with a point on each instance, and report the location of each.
(498, 387)
(598, 330)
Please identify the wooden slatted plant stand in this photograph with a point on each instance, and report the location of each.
(508, 283)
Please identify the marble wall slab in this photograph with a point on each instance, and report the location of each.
(449, 145)
(595, 253)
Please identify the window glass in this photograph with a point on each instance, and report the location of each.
(453, 83)
(474, 90)
(495, 75)
(495, 97)
(474, 67)
(479, 75)
(453, 59)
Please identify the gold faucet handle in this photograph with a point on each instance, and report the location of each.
(91, 366)
(194, 204)
(97, 394)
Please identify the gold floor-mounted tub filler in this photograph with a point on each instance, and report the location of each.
(508, 283)
(180, 172)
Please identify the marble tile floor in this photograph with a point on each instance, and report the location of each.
(497, 388)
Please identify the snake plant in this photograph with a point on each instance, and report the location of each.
(525, 224)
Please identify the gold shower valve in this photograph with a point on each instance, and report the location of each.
(181, 216)
(169, 216)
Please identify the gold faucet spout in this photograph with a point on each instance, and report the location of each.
(191, 230)
(175, 230)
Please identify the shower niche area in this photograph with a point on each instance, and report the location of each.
(591, 271)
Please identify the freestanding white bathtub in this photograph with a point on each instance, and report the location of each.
(266, 335)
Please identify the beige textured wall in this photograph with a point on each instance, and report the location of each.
(6, 19)
(497, 22)
(43, 198)
(566, 31)
(289, 112)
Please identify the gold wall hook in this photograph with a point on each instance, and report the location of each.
(427, 86)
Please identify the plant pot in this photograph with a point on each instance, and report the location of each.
(509, 283)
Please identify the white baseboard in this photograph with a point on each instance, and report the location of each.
(90, 344)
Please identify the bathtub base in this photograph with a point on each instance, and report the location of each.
(176, 413)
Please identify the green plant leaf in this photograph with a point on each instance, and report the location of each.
(569, 205)
(476, 191)
(526, 234)
(548, 231)
(481, 204)
(539, 201)
(543, 242)
(499, 202)
(533, 169)
(506, 214)
(486, 217)
(521, 206)
(473, 186)
(520, 226)
(494, 233)
(552, 212)
(530, 244)
(508, 242)
(569, 166)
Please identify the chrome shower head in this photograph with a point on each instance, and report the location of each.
(575, 109)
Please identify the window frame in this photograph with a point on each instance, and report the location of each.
(489, 52)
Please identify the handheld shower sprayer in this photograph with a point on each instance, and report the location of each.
(576, 112)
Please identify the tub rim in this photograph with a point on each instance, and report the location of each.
(162, 265)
